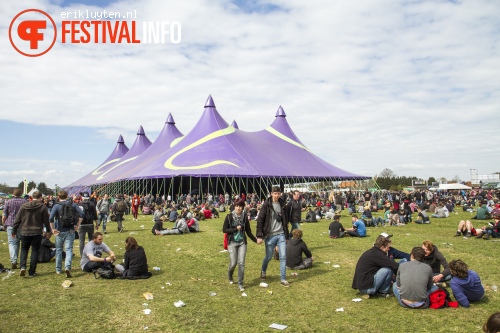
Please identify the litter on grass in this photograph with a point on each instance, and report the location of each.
(278, 326)
(326, 262)
(212, 294)
(357, 300)
(244, 295)
(67, 283)
(148, 296)
(179, 304)
(339, 310)
(336, 266)
(147, 311)
(263, 285)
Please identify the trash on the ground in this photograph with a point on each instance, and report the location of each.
(147, 311)
(278, 326)
(270, 292)
(336, 266)
(295, 274)
(145, 304)
(67, 283)
(142, 226)
(145, 328)
(357, 300)
(148, 296)
(115, 245)
(178, 249)
(339, 310)
(9, 274)
(179, 304)
(168, 284)
(223, 250)
(212, 294)
(326, 262)
(156, 268)
(195, 279)
(494, 288)
(263, 285)
(244, 295)
(162, 287)
(132, 233)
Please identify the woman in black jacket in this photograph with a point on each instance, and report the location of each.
(237, 227)
(136, 263)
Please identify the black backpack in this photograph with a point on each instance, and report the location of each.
(67, 217)
(105, 272)
(88, 217)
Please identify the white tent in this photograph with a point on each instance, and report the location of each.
(32, 191)
(456, 186)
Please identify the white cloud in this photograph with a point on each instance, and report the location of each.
(365, 84)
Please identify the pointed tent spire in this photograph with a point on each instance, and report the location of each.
(120, 139)
(280, 112)
(234, 124)
(170, 119)
(140, 131)
(210, 102)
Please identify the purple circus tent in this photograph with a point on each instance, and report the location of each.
(83, 184)
(214, 150)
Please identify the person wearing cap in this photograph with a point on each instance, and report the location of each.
(272, 230)
(414, 282)
(374, 269)
(394, 253)
(237, 227)
(89, 216)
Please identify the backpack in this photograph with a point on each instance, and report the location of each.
(88, 217)
(67, 217)
(105, 272)
(121, 206)
(439, 299)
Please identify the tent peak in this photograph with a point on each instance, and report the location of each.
(120, 139)
(170, 119)
(234, 124)
(140, 131)
(210, 102)
(280, 112)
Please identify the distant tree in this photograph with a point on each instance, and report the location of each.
(21, 185)
(44, 189)
(31, 185)
(442, 180)
(5, 188)
(387, 173)
(456, 179)
(431, 180)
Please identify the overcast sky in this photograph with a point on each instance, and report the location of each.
(408, 85)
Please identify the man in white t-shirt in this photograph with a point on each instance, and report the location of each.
(92, 254)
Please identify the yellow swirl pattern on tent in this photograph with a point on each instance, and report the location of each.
(117, 165)
(96, 171)
(211, 136)
(284, 137)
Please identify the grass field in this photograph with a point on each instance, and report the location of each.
(192, 267)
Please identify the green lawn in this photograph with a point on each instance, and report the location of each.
(194, 266)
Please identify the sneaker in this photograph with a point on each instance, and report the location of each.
(262, 275)
(231, 281)
(58, 272)
(104, 232)
(68, 274)
(486, 236)
(480, 235)
(241, 287)
(32, 275)
(23, 272)
(383, 295)
(458, 234)
(285, 283)
(441, 284)
(366, 296)
(468, 234)
(120, 230)
(14, 265)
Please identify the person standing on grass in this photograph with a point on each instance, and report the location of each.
(272, 230)
(374, 269)
(63, 211)
(31, 218)
(119, 208)
(10, 211)
(414, 282)
(136, 201)
(237, 227)
(294, 210)
(89, 216)
(92, 254)
(103, 207)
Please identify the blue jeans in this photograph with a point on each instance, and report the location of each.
(381, 282)
(67, 238)
(422, 305)
(295, 225)
(237, 252)
(271, 243)
(13, 245)
(103, 217)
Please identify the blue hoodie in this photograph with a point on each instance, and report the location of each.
(467, 290)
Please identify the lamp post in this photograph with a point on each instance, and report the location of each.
(56, 189)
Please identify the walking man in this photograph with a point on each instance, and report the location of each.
(103, 206)
(272, 230)
(69, 217)
(294, 210)
(10, 211)
(31, 218)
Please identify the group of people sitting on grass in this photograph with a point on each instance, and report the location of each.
(466, 229)
(416, 276)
